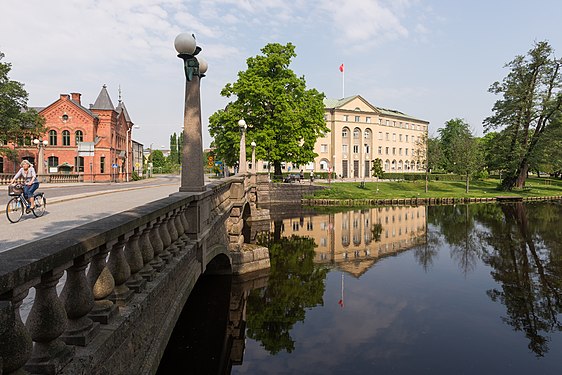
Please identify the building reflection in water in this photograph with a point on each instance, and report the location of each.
(354, 240)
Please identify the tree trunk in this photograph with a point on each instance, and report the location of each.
(522, 176)
(277, 174)
(426, 181)
(467, 182)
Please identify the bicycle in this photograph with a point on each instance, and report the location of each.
(18, 205)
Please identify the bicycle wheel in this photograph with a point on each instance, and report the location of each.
(14, 210)
(40, 205)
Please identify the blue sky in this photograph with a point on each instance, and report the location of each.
(432, 59)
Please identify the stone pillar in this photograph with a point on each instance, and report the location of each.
(78, 300)
(46, 322)
(117, 264)
(15, 341)
(192, 173)
(102, 283)
(172, 227)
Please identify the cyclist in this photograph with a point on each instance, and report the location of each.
(30, 181)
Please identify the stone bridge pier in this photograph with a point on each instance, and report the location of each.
(105, 296)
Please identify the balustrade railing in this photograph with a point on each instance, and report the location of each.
(104, 263)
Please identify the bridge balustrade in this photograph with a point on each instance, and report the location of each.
(108, 269)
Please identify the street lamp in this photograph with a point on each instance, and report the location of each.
(192, 174)
(254, 169)
(242, 168)
(41, 144)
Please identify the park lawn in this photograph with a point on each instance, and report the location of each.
(437, 189)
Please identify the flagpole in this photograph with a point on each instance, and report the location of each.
(343, 84)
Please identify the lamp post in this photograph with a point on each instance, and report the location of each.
(242, 168)
(254, 169)
(41, 144)
(192, 173)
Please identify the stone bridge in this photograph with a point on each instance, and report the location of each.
(104, 297)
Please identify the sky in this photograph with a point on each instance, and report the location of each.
(432, 59)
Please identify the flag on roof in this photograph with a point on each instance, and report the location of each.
(341, 68)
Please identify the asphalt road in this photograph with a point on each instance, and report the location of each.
(69, 206)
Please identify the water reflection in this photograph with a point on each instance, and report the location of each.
(481, 281)
(354, 240)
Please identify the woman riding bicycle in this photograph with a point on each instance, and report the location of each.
(30, 181)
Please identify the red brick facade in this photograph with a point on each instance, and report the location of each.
(73, 131)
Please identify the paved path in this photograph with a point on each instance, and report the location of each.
(69, 211)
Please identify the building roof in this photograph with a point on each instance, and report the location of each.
(122, 110)
(338, 103)
(103, 102)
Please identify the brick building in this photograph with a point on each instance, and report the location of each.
(94, 143)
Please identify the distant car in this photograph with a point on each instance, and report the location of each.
(292, 178)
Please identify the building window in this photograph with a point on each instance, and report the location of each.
(406, 137)
(52, 137)
(380, 136)
(324, 148)
(394, 151)
(344, 149)
(406, 150)
(367, 148)
(52, 162)
(1, 165)
(79, 162)
(400, 137)
(368, 120)
(387, 123)
(394, 137)
(345, 117)
(344, 133)
(387, 151)
(65, 138)
(102, 164)
(387, 136)
(355, 133)
(357, 118)
(79, 136)
(400, 151)
(355, 149)
(380, 150)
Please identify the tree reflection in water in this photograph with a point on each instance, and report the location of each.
(523, 245)
(294, 285)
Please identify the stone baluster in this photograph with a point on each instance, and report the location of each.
(134, 258)
(166, 239)
(117, 264)
(147, 252)
(78, 299)
(178, 222)
(184, 221)
(172, 226)
(102, 283)
(15, 341)
(157, 246)
(46, 322)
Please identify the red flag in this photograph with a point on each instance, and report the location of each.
(341, 68)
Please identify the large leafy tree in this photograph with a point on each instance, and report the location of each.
(284, 117)
(16, 121)
(530, 104)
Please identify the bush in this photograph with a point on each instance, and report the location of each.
(135, 176)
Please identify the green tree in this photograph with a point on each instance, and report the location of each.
(284, 117)
(377, 169)
(16, 120)
(158, 160)
(173, 158)
(461, 151)
(530, 104)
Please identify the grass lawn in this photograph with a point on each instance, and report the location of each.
(437, 189)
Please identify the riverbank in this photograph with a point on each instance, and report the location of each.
(439, 192)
